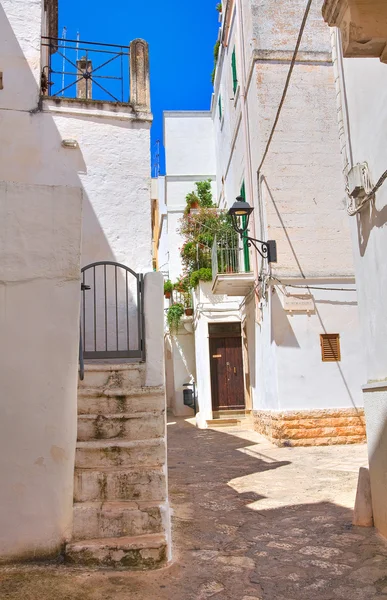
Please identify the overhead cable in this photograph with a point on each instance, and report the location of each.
(286, 83)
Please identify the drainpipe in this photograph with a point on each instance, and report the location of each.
(245, 125)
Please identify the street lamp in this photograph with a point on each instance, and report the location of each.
(240, 208)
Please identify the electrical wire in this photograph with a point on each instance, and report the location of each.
(311, 287)
(286, 83)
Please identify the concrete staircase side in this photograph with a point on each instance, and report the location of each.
(121, 511)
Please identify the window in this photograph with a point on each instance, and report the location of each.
(234, 72)
(220, 107)
(330, 347)
(246, 251)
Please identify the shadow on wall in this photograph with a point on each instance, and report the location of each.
(367, 219)
(282, 333)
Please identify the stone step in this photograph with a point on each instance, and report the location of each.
(102, 375)
(112, 519)
(136, 426)
(120, 453)
(140, 552)
(223, 422)
(134, 484)
(120, 401)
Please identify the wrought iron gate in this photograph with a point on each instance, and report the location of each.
(112, 316)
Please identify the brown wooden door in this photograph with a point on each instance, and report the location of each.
(227, 383)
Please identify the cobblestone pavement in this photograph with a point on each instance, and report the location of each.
(251, 522)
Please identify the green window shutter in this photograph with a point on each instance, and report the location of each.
(220, 107)
(234, 72)
(246, 251)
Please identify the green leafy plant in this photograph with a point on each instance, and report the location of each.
(182, 285)
(201, 197)
(204, 193)
(219, 7)
(174, 315)
(203, 274)
(216, 55)
(168, 287)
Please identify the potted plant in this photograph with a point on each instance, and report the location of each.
(168, 288)
(193, 201)
(188, 304)
(174, 315)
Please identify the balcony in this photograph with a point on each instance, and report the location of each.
(95, 72)
(231, 272)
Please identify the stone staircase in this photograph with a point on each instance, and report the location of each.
(121, 516)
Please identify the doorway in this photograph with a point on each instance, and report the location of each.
(226, 365)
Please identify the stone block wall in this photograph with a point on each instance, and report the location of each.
(311, 428)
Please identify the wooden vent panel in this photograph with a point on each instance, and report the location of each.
(330, 347)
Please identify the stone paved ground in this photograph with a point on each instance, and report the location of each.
(251, 522)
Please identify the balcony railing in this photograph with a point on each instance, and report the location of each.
(85, 70)
(231, 267)
(227, 256)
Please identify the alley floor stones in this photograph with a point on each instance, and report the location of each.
(250, 522)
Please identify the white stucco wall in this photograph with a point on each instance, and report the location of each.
(362, 96)
(40, 215)
(182, 347)
(190, 157)
(304, 381)
(115, 174)
(366, 101)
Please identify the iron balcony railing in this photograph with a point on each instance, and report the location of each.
(228, 256)
(85, 70)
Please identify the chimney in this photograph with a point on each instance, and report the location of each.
(139, 75)
(84, 71)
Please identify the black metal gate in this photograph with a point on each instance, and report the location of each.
(112, 315)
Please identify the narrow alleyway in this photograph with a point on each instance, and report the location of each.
(250, 522)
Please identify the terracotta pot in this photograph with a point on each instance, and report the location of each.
(188, 312)
(167, 295)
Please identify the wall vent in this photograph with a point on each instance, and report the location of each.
(330, 347)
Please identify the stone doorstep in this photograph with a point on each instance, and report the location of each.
(120, 453)
(223, 422)
(136, 426)
(115, 484)
(112, 519)
(139, 552)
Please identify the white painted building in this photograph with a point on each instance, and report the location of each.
(360, 58)
(190, 157)
(298, 395)
(74, 190)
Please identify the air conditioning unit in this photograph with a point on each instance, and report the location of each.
(359, 181)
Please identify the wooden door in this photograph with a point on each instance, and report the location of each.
(227, 382)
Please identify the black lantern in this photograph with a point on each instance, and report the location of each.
(239, 209)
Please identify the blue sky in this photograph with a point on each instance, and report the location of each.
(181, 37)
